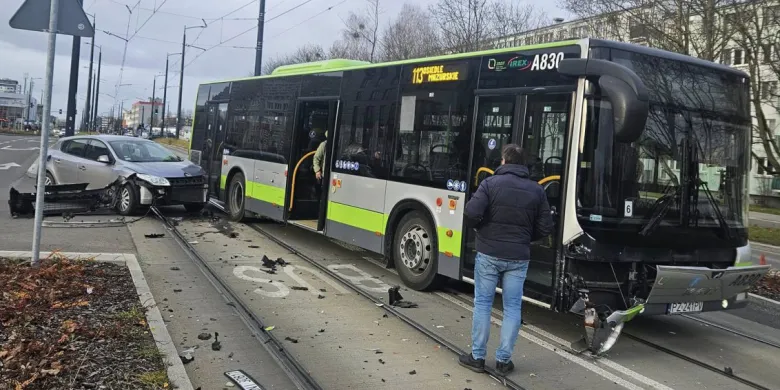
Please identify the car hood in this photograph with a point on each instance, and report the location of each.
(168, 169)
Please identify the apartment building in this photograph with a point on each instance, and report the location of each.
(641, 26)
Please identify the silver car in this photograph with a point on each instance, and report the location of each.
(150, 173)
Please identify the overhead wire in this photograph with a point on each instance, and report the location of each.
(246, 31)
(147, 20)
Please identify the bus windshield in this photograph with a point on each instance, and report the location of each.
(688, 170)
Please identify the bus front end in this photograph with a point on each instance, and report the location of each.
(661, 195)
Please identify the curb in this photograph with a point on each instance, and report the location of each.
(19, 134)
(764, 299)
(771, 247)
(176, 372)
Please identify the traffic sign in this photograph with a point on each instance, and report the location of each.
(34, 15)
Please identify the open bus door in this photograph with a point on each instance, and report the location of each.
(211, 152)
(307, 197)
(539, 123)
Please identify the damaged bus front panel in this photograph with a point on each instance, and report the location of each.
(658, 211)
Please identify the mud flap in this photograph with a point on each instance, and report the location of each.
(601, 332)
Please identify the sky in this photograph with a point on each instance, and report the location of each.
(289, 24)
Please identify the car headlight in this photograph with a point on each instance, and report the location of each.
(154, 180)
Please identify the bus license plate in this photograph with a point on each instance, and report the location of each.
(244, 381)
(685, 307)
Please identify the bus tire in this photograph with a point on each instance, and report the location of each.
(236, 197)
(415, 251)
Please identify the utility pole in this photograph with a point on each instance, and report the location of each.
(70, 117)
(259, 49)
(85, 114)
(97, 86)
(154, 89)
(181, 75)
(165, 99)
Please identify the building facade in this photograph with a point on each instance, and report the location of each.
(651, 26)
(10, 86)
(144, 113)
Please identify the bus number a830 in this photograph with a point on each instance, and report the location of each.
(546, 61)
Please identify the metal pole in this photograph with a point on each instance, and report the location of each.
(97, 86)
(181, 82)
(39, 192)
(29, 101)
(154, 87)
(165, 99)
(91, 126)
(70, 117)
(85, 116)
(259, 49)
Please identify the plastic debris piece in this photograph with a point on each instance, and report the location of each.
(90, 289)
(254, 247)
(320, 296)
(269, 328)
(413, 372)
(177, 290)
(292, 340)
(281, 261)
(381, 361)
(175, 269)
(193, 242)
(186, 359)
(154, 235)
(204, 336)
(267, 262)
(300, 288)
(216, 345)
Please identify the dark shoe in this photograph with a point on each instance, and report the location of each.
(504, 368)
(468, 361)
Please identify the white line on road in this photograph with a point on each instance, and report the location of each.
(575, 359)
(10, 148)
(7, 166)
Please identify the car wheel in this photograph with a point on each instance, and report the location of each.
(50, 179)
(194, 207)
(236, 200)
(415, 252)
(128, 200)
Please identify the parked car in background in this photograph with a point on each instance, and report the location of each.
(151, 174)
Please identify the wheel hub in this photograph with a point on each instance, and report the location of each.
(415, 249)
(237, 198)
(125, 202)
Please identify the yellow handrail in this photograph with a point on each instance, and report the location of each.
(295, 173)
(490, 171)
(480, 170)
(549, 178)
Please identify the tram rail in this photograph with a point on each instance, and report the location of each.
(291, 367)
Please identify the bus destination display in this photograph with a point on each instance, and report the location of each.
(439, 73)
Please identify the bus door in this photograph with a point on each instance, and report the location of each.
(307, 195)
(537, 122)
(211, 157)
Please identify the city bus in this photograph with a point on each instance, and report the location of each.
(643, 154)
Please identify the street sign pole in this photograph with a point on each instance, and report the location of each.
(39, 193)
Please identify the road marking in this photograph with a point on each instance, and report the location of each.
(10, 148)
(360, 279)
(568, 356)
(7, 166)
(281, 290)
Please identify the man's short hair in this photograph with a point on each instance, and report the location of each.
(513, 154)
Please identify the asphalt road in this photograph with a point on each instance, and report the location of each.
(17, 153)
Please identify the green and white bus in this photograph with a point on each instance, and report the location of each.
(617, 134)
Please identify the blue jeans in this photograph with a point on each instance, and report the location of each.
(486, 273)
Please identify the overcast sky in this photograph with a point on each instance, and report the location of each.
(154, 37)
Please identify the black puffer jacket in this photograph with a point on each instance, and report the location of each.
(509, 212)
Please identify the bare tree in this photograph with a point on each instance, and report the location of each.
(360, 38)
(411, 35)
(512, 18)
(465, 25)
(689, 27)
(756, 27)
(305, 53)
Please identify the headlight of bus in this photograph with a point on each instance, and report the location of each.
(154, 180)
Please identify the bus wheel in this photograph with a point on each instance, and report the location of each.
(236, 200)
(415, 251)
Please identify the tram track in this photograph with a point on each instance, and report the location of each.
(391, 310)
(724, 371)
(291, 367)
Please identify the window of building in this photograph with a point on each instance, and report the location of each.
(761, 162)
(768, 90)
(739, 57)
(725, 57)
(767, 53)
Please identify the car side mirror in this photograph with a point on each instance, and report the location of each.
(104, 159)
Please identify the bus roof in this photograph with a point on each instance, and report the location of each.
(337, 65)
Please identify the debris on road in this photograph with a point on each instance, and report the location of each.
(154, 235)
(187, 358)
(395, 298)
(99, 339)
(216, 345)
(292, 340)
(175, 269)
(300, 288)
(204, 336)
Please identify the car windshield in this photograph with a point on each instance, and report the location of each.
(142, 151)
(686, 173)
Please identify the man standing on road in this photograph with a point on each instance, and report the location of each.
(509, 211)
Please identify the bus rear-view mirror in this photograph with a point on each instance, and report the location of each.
(621, 87)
